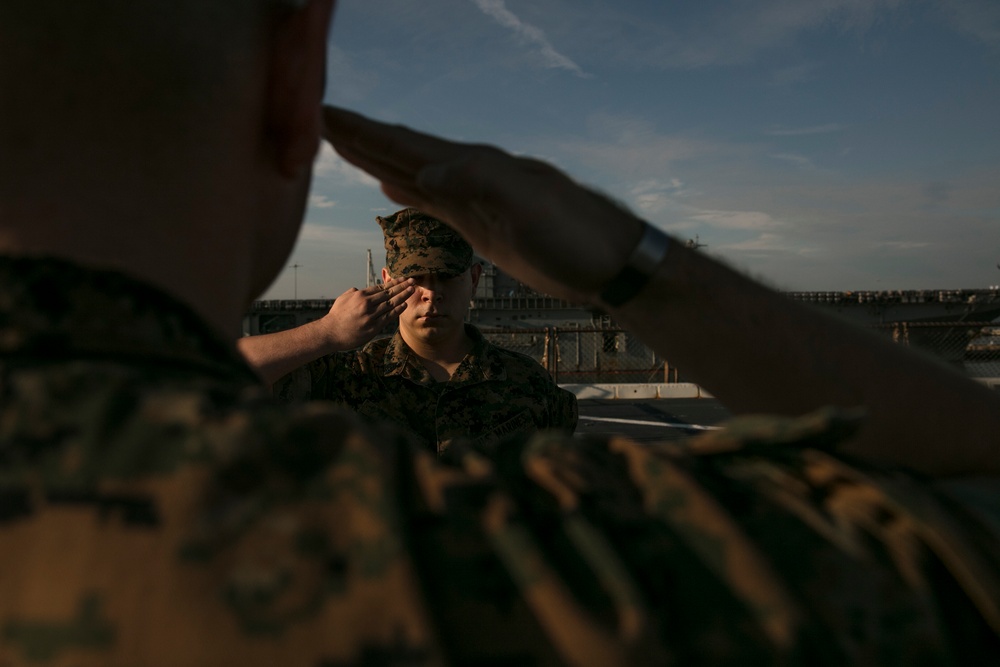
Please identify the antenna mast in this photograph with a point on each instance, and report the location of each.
(295, 268)
(695, 243)
(372, 278)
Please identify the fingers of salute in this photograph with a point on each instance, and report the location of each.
(389, 299)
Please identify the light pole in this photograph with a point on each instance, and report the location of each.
(295, 273)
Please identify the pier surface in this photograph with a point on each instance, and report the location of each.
(650, 420)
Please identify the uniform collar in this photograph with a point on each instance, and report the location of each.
(481, 364)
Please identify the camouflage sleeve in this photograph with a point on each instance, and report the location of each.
(754, 546)
(326, 378)
(296, 387)
(229, 538)
(262, 540)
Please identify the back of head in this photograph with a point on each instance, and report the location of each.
(416, 243)
(133, 131)
(106, 65)
(105, 85)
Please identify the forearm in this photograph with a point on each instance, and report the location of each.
(752, 347)
(275, 355)
(758, 351)
(355, 317)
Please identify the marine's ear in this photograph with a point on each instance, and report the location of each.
(477, 270)
(297, 78)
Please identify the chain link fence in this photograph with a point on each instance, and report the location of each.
(614, 356)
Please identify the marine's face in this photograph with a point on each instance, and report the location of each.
(436, 310)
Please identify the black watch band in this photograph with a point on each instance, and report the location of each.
(639, 267)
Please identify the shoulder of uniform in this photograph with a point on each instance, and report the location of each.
(510, 355)
(373, 350)
(518, 363)
(376, 345)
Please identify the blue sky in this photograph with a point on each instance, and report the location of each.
(814, 144)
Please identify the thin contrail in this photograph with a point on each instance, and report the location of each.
(497, 10)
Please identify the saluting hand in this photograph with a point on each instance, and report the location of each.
(527, 216)
(358, 314)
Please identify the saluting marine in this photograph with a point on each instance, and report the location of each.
(437, 377)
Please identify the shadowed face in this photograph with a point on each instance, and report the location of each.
(435, 312)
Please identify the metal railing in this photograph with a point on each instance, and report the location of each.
(613, 355)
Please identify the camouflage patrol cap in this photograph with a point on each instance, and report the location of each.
(416, 243)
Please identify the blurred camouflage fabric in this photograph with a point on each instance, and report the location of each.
(494, 394)
(416, 243)
(157, 509)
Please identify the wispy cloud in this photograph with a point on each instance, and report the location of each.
(530, 34)
(936, 194)
(787, 76)
(800, 131)
(654, 196)
(979, 18)
(903, 245)
(798, 160)
(730, 32)
(332, 167)
(348, 80)
(629, 149)
(338, 237)
(768, 242)
(321, 201)
(738, 220)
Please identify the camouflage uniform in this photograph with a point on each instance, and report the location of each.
(157, 509)
(494, 393)
(416, 243)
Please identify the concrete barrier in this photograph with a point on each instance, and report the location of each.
(991, 383)
(674, 390)
(637, 391)
(591, 390)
